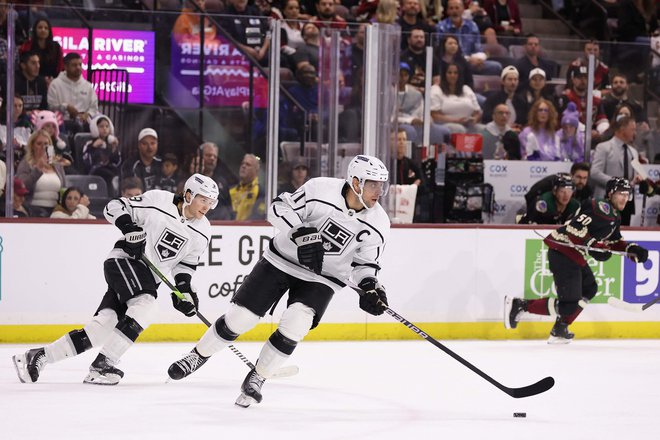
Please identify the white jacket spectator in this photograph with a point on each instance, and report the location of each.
(71, 94)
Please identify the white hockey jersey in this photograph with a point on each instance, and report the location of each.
(353, 241)
(174, 244)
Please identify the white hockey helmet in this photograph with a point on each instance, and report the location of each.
(365, 168)
(202, 185)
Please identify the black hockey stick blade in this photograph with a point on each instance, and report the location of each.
(539, 387)
(650, 303)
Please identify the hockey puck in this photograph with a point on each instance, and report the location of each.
(520, 415)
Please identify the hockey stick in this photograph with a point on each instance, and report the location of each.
(288, 371)
(584, 248)
(539, 387)
(630, 307)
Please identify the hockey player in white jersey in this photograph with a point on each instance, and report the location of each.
(329, 230)
(172, 231)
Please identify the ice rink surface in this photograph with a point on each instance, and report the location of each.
(349, 390)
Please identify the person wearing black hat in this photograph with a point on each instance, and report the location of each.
(590, 235)
(556, 206)
(577, 93)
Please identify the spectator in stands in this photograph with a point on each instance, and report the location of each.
(455, 104)
(18, 200)
(532, 60)
(511, 142)
(469, 39)
(306, 93)
(148, 166)
(72, 204)
(101, 155)
(507, 95)
(326, 16)
(51, 61)
(187, 26)
(415, 57)
(622, 110)
(355, 53)
(571, 136)
(411, 18)
(169, 177)
(505, 17)
(407, 172)
(554, 207)
(602, 72)
(22, 127)
(252, 34)
(450, 52)
(619, 95)
(536, 88)
(309, 52)
(73, 95)
(51, 122)
(298, 175)
(649, 148)
(411, 111)
(636, 20)
(538, 140)
(247, 198)
(41, 174)
(131, 187)
(32, 86)
(386, 12)
(211, 166)
(578, 94)
(292, 24)
(493, 132)
(614, 158)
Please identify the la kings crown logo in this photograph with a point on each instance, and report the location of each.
(169, 244)
(335, 237)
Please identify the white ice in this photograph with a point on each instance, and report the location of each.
(348, 390)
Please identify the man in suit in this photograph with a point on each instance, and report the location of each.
(614, 159)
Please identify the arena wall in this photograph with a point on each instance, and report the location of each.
(450, 281)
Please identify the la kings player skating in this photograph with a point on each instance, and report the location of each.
(172, 231)
(329, 229)
(596, 225)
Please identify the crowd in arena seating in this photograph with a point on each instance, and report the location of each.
(489, 77)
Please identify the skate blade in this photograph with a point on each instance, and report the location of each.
(554, 340)
(95, 378)
(244, 401)
(21, 368)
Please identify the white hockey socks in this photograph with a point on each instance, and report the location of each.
(226, 329)
(138, 317)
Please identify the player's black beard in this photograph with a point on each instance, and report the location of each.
(326, 17)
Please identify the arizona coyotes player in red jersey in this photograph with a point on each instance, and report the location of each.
(593, 232)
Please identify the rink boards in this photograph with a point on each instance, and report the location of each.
(450, 281)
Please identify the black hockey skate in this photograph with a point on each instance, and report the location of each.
(559, 333)
(186, 365)
(251, 389)
(513, 308)
(103, 372)
(29, 365)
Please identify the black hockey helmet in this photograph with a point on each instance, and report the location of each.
(563, 180)
(617, 184)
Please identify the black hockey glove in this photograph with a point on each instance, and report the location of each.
(135, 238)
(637, 253)
(374, 299)
(310, 248)
(189, 303)
(601, 255)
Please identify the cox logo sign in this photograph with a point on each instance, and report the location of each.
(654, 173)
(518, 189)
(538, 170)
(499, 208)
(497, 169)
